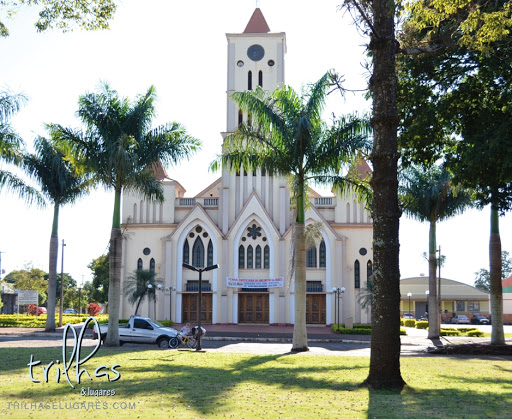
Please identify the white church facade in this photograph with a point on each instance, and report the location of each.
(243, 222)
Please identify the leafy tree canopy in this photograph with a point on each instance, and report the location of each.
(65, 15)
(29, 278)
(483, 277)
(100, 277)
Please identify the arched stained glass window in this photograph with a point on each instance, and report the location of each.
(241, 257)
(369, 269)
(311, 258)
(260, 78)
(249, 257)
(186, 252)
(152, 265)
(249, 80)
(210, 254)
(198, 253)
(266, 257)
(357, 274)
(322, 254)
(258, 257)
(139, 264)
(240, 117)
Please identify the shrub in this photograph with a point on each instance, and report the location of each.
(449, 332)
(475, 333)
(409, 323)
(403, 332)
(166, 323)
(466, 329)
(422, 324)
(31, 308)
(93, 309)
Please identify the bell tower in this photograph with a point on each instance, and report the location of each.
(255, 58)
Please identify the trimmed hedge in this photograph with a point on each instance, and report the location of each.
(449, 332)
(475, 333)
(422, 324)
(10, 320)
(359, 329)
(408, 322)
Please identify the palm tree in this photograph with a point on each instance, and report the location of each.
(430, 195)
(11, 149)
(139, 285)
(61, 184)
(119, 148)
(287, 137)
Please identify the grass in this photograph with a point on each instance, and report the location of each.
(202, 385)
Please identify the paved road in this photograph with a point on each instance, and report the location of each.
(217, 345)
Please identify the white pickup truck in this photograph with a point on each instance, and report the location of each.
(140, 330)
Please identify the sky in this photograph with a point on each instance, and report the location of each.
(180, 47)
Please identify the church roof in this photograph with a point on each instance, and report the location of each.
(158, 170)
(257, 23)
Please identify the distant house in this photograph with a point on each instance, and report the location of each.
(507, 299)
(456, 297)
(8, 299)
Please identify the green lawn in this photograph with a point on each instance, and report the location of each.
(186, 384)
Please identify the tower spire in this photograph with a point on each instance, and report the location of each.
(257, 23)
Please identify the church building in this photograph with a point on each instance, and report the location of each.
(243, 223)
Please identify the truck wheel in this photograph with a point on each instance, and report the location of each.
(163, 343)
(174, 342)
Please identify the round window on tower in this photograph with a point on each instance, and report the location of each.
(271, 63)
(240, 63)
(255, 52)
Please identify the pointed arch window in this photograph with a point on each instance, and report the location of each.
(266, 257)
(311, 258)
(186, 252)
(152, 265)
(241, 257)
(357, 274)
(258, 257)
(369, 270)
(198, 253)
(249, 80)
(249, 257)
(348, 212)
(260, 78)
(210, 254)
(322, 254)
(139, 264)
(134, 213)
(240, 117)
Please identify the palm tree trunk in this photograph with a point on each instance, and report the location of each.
(433, 306)
(114, 285)
(385, 344)
(300, 334)
(497, 333)
(52, 272)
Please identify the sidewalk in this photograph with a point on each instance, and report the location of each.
(266, 333)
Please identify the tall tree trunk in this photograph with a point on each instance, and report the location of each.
(114, 284)
(52, 272)
(300, 334)
(433, 306)
(385, 344)
(497, 333)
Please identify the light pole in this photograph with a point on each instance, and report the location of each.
(199, 306)
(79, 300)
(61, 285)
(439, 288)
(159, 288)
(409, 294)
(337, 292)
(171, 289)
(427, 293)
